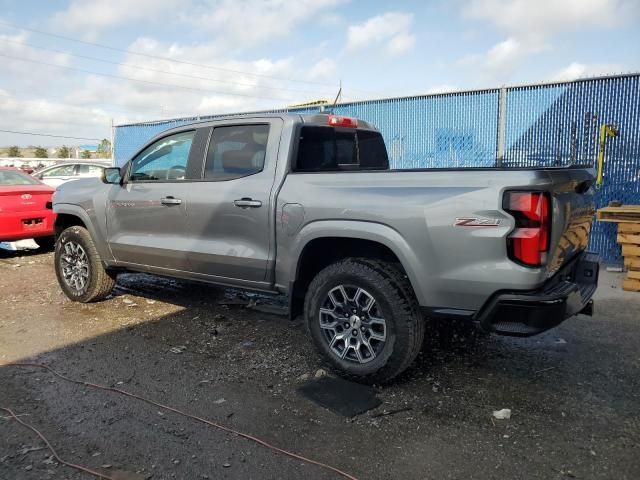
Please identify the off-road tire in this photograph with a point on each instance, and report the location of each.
(100, 281)
(46, 243)
(405, 323)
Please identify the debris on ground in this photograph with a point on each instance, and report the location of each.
(504, 414)
(341, 396)
(385, 413)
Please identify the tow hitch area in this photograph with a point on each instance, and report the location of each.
(523, 314)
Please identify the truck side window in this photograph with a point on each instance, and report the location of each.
(164, 160)
(236, 151)
(325, 149)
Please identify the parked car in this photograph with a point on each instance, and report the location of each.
(58, 174)
(306, 206)
(25, 208)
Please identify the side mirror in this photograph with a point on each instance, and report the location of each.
(111, 175)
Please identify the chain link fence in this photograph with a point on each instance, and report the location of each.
(525, 126)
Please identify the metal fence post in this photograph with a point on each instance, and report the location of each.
(113, 150)
(502, 125)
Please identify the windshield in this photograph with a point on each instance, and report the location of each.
(13, 177)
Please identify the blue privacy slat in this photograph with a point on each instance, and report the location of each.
(545, 125)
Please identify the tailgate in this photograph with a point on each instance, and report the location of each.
(572, 214)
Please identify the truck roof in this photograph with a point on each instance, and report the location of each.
(316, 119)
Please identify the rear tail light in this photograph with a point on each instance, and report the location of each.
(528, 244)
(337, 121)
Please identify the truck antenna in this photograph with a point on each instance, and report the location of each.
(338, 97)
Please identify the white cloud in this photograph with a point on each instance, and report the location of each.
(504, 52)
(246, 23)
(445, 88)
(531, 27)
(13, 46)
(324, 69)
(262, 79)
(581, 70)
(50, 100)
(93, 16)
(401, 43)
(548, 17)
(51, 117)
(215, 91)
(392, 30)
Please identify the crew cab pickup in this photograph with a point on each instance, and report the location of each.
(307, 206)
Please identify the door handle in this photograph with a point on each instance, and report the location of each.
(170, 201)
(247, 203)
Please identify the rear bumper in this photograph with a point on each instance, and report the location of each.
(527, 313)
(18, 226)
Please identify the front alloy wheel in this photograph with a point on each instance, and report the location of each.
(74, 264)
(80, 271)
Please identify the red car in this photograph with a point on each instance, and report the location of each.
(25, 208)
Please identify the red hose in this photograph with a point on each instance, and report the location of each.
(179, 412)
(54, 453)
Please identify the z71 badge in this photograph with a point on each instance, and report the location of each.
(476, 222)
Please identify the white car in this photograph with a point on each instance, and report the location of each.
(60, 173)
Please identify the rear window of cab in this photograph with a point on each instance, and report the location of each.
(330, 149)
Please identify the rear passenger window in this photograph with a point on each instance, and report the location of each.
(236, 151)
(323, 149)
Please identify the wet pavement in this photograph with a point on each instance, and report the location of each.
(574, 392)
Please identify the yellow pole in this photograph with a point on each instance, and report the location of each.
(606, 130)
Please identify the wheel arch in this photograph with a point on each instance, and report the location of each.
(323, 243)
(72, 215)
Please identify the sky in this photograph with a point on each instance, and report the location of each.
(72, 67)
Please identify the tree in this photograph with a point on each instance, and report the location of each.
(41, 152)
(14, 151)
(85, 154)
(104, 149)
(64, 152)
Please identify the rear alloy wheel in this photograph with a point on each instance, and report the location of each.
(363, 318)
(79, 269)
(353, 324)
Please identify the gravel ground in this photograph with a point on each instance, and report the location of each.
(573, 392)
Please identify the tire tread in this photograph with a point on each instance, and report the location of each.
(101, 280)
(409, 323)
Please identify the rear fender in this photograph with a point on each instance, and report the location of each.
(371, 231)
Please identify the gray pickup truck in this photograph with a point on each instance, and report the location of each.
(307, 206)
